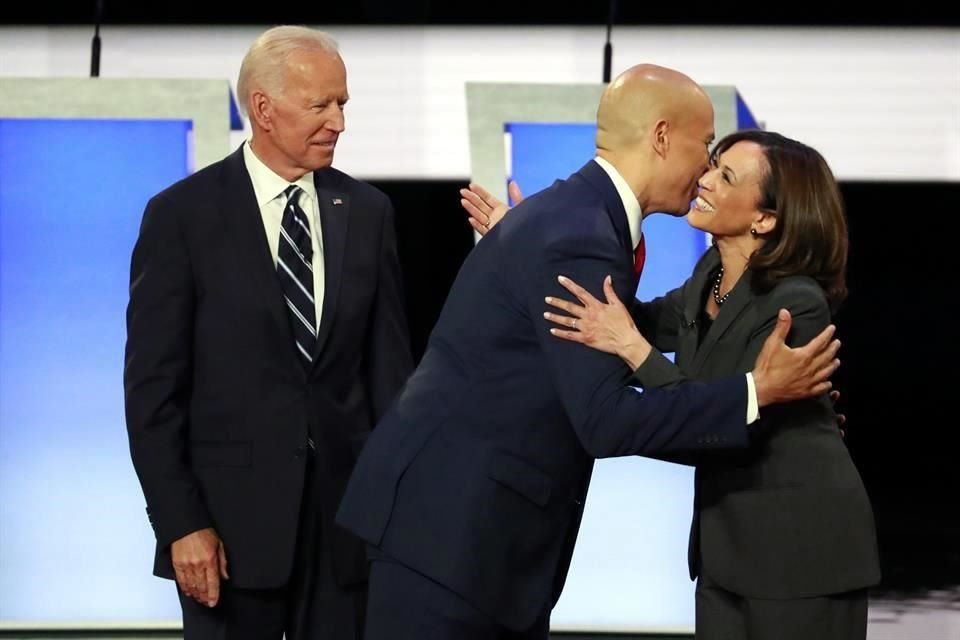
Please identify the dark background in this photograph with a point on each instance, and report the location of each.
(814, 13)
(899, 347)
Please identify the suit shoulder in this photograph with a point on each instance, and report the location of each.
(194, 187)
(561, 214)
(357, 188)
(798, 294)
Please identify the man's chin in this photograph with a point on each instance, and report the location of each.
(321, 161)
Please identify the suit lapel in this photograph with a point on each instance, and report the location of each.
(334, 206)
(241, 213)
(737, 302)
(692, 304)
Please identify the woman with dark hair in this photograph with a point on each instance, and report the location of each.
(783, 543)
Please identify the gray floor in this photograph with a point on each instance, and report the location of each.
(929, 616)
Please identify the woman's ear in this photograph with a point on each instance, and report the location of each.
(764, 223)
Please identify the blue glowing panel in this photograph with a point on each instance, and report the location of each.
(541, 153)
(75, 544)
(629, 569)
(745, 119)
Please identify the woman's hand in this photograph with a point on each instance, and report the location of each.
(605, 326)
(484, 209)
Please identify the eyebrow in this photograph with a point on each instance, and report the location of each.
(727, 168)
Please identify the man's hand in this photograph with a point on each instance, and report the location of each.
(782, 374)
(199, 561)
(841, 419)
(484, 209)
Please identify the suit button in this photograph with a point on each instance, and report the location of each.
(299, 452)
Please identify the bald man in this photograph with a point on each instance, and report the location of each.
(471, 489)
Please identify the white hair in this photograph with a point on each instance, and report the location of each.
(263, 65)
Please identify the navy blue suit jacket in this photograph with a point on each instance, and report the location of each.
(477, 475)
(218, 404)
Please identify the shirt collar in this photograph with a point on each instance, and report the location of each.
(267, 185)
(630, 203)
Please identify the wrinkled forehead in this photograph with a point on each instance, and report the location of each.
(315, 73)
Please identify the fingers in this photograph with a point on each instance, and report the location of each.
(222, 553)
(826, 358)
(573, 336)
(782, 327)
(823, 372)
(479, 228)
(211, 594)
(820, 388)
(609, 293)
(564, 305)
(483, 195)
(513, 190)
(581, 294)
(564, 321)
(185, 582)
(834, 396)
(823, 338)
(474, 206)
(192, 581)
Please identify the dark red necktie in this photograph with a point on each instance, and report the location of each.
(639, 256)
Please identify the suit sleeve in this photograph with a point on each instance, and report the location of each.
(157, 373)
(659, 322)
(808, 309)
(389, 361)
(610, 417)
(810, 314)
(659, 319)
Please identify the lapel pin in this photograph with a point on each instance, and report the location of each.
(337, 201)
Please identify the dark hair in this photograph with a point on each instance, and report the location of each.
(810, 237)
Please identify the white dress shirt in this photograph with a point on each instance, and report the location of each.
(634, 222)
(269, 187)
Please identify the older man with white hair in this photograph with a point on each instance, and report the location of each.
(266, 335)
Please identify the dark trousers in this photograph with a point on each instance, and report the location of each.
(405, 605)
(311, 607)
(723, 615)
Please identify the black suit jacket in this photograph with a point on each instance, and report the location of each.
(788, 517)
(218, 404)
(477, 476)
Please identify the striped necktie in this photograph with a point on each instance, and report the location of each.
(295, 270)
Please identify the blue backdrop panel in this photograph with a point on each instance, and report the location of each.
(629, 568)
(75, 544)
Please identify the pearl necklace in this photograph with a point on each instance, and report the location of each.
(716, 289)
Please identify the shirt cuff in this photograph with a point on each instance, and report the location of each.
(753, 411)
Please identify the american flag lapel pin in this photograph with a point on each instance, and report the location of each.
(337, 201)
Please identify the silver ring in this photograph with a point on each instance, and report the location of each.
(574, 323)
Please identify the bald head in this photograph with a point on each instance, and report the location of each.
(655, 126)
(641, 96)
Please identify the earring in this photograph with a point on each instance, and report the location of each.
(753, 232)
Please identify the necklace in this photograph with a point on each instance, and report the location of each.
(716, 289)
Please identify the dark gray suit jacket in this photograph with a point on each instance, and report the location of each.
(788, 517)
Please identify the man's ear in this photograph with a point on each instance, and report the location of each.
(261, 110)
(661, 138)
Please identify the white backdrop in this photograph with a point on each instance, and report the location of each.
(878, 103)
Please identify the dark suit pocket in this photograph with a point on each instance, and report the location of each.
(525, 479)
(221, 454)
